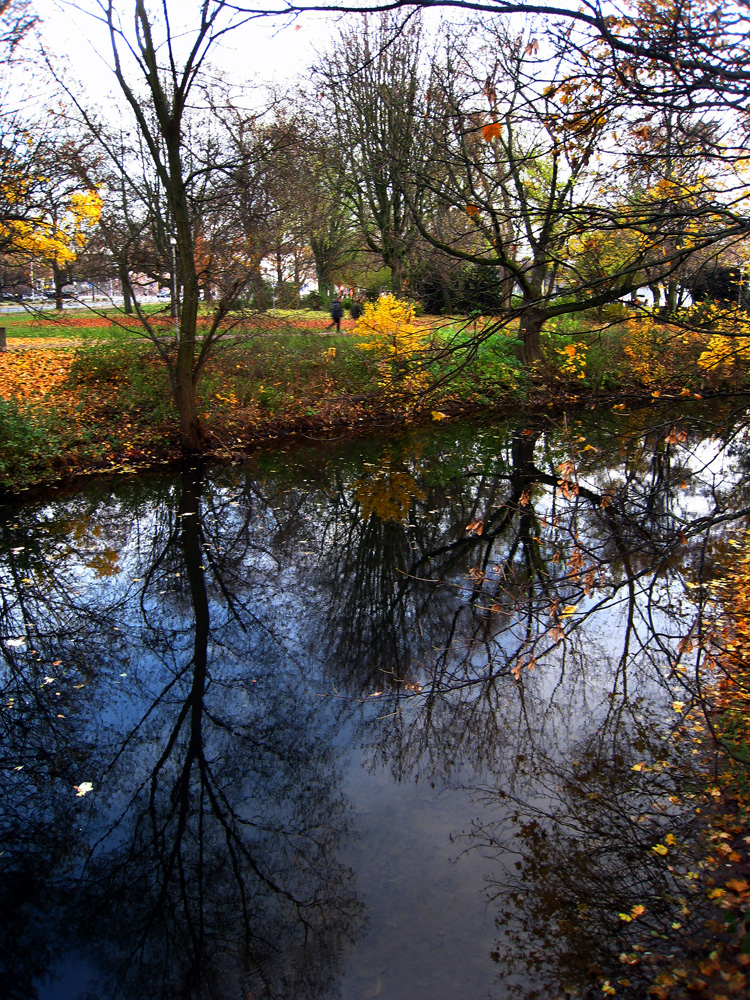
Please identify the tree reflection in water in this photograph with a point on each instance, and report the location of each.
(206, 653)
(204, 862)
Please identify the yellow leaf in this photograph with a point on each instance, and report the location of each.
(437, 415)
(660, 849)
(568, 610)
(678, 706)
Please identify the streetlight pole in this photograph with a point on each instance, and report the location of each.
(175, 310)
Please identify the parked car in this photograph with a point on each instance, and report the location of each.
(53, 296)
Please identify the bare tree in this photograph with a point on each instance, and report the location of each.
(523, 166)
(182, 166)
(371, 82)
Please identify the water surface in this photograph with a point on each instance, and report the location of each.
(358, 721)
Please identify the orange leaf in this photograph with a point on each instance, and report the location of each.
(738, 885)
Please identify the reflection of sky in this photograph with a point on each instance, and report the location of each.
(290, 716)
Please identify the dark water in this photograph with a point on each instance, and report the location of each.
(293, 729)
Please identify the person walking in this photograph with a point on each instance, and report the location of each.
(337, 311)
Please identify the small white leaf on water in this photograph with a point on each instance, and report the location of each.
(15, 643)
(83, 789)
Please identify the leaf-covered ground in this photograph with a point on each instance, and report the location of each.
(34, 373)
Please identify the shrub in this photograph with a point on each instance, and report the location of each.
(29, 442)
(398, 344)
(313, 300)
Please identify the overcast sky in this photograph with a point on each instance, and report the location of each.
(265, 49)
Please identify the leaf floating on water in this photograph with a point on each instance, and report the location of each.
(14, 643)
(660, 849)
(83, 789)
(738, 885)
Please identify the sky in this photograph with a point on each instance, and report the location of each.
(267, 49)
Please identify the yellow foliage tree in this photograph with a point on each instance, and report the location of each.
(54, 236)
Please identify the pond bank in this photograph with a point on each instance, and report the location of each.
(62, 419)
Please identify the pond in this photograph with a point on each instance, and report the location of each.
(401, 717)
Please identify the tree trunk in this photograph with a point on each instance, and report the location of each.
(673, 291)
(322, 269)
(529, 334)
(127, 295)
(399, 273)
(59, 277)
(192, 434)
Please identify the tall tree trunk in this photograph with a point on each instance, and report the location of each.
(192, 434)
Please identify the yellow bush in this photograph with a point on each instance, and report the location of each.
(399, 345)
(574, 359)
(730, 343)
(645, 348)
